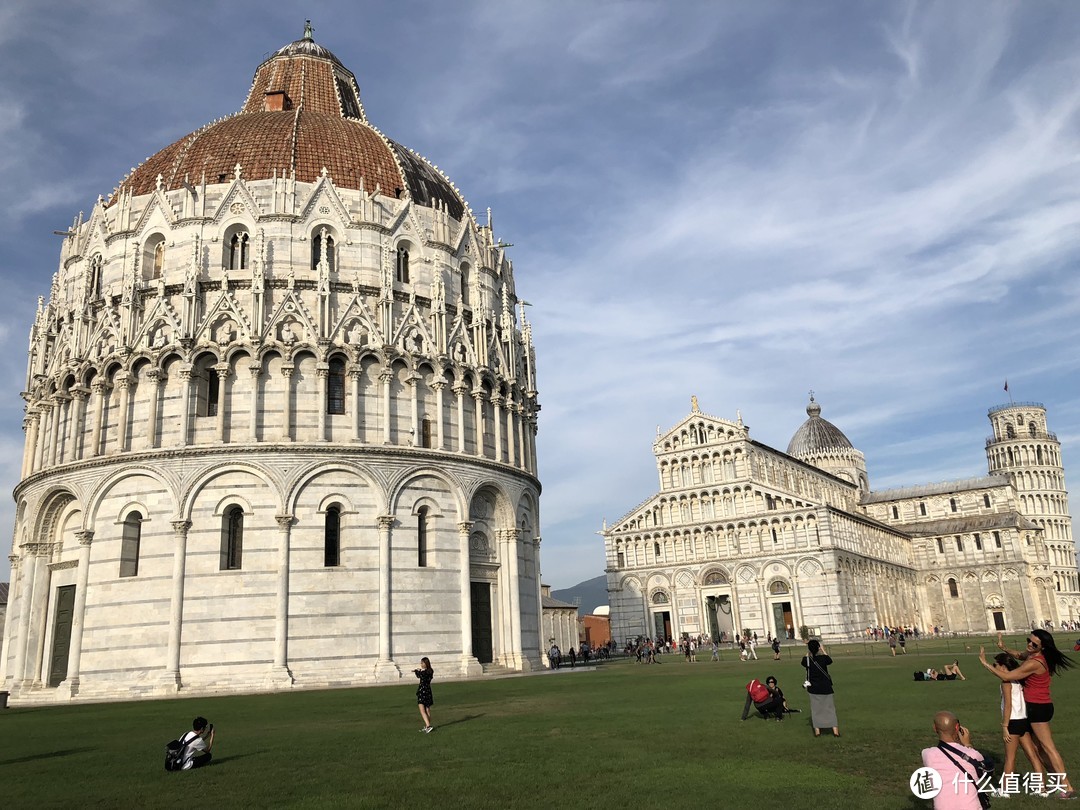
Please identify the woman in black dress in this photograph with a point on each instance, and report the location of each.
(423, 693)
(820, 688)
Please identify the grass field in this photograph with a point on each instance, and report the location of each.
(617, 736)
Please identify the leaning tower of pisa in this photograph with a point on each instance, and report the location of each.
(1022, 447)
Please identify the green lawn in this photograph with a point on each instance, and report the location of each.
(619, 735)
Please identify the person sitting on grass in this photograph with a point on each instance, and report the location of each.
(198, 743)
(766, 698)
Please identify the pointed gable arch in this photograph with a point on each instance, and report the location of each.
(459, 343)
(238, 201)
(160, 327)
(412, 334)
(325, 194)
(290, 323)
(357, 326)
(225, 314)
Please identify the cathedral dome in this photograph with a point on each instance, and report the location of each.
(302, 115)
(817, 435)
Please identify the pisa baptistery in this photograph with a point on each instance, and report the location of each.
(280, 420)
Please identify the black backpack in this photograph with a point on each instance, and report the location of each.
(174, 754)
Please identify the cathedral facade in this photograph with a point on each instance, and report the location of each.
(744, 537)
(280, 419)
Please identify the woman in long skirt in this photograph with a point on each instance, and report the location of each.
(822, 709)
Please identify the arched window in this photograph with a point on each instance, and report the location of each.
(402, 267)
(986, 501)
(425, 432)
(1010, 432)
(129, 545)
(421, 537)
(332, 537)
(922, 508)
(656, 550)
(464, 281)
(954, 591)
(213, 391)
(1038, 455)
(159, 258)
(335, 387)
(1031, 428)
(317, 250)
(952, 504)
(895, 513)
(238, 251)
(232, 539)
(96, 268)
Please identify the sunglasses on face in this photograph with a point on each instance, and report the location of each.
(1034, 644)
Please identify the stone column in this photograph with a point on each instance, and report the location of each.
(497, 418)
(31, 423)
(81, 396)
(280, 673)
(356, 373)
(8, 636)
(469, 665)
(530, 444)
(124, 381)
(171, 678)
(385, 668)
(437, 385)
(97, 391)
(153, 376)
(385, 376)
(523, 441)
(67, 437)
(414, 396)
(478, 412)
(42, 585)
(287, 372)
(513, 538)
(254, 369)
(26, 607)
(511, 438)
(538, 605)
(55, 426)
(460, 389)
(42, 457)
(185, 406)
(222, 371)
(322, 376)
(71, 683)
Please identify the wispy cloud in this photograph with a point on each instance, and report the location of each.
(876, 201)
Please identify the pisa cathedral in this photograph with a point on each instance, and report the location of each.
(742, 536)
(280, 420)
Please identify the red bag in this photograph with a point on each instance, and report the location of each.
(759, 693)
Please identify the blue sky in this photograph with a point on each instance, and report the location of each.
(742, 201)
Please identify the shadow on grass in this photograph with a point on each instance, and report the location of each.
(47, 755)
(231, 757)
(464, 719)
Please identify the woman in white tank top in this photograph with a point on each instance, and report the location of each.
(1015, 728)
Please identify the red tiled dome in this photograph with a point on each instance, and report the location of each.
(303, 113)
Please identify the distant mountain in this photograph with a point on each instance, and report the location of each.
(588, 595)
